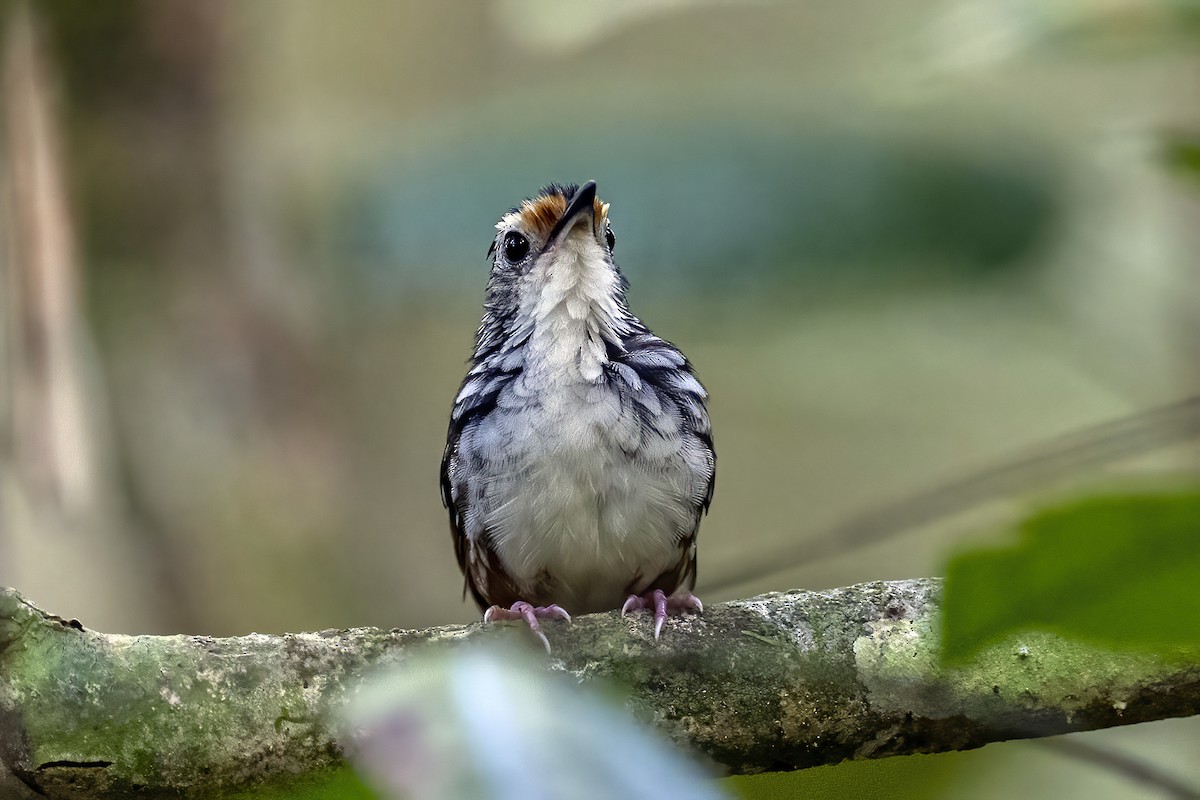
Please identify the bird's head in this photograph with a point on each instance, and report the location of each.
(559, 221)
(552, 268)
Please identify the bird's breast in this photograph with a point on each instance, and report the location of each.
(578, 505)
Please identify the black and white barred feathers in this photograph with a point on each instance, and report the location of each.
(579, 458)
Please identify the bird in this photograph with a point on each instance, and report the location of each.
(579, 457)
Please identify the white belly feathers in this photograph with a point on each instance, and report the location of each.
(566, 498)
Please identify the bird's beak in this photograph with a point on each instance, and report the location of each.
(578, 207)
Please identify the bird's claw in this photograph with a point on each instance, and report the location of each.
(662, 605)
(530, 613)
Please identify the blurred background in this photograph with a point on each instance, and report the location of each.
(903, 244)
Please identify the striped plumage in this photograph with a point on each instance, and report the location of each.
(579, 458)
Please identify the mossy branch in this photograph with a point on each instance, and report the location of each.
(777, 682)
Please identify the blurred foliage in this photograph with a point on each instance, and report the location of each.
(902, 778)
(140, 84)
(1120, 571)
(805, 200)
(342, 784)
(492, 724)
(94, 75)
(1181, 152)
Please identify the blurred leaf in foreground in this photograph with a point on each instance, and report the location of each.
(341, 784)
(482, 725)
(1117, 571)
(918, 777)
(1181, 152)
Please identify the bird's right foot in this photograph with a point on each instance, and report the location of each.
(521, 610)
(662, 604)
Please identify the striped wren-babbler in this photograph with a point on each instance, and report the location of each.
(579, 458)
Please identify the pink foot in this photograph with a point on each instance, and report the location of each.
(662, 605)
(529, 613)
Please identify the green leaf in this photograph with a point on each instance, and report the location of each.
(340, 784)
(1119, 571)
(917, 777)
(1181, 152)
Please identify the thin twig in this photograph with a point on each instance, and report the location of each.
(1123, 764)
(1062, 457)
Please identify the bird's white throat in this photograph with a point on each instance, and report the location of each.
(573, 312)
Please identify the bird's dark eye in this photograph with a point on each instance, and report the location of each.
(610, 239)
(516, 247)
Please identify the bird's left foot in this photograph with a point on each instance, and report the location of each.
(663, 605)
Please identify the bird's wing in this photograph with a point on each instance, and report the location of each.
(476, 399)
(659, 366)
